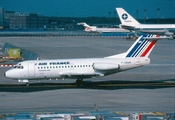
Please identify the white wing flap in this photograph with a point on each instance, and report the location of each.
(79, 74)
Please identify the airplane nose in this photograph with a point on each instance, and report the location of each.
(6, 74)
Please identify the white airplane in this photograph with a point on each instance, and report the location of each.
(136, 56)
(129, 23)
(100, 30)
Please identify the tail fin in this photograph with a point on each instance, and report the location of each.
(142, 47)
(83, 24)
(87, 27)
(125, 17)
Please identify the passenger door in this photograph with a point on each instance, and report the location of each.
(31, 70)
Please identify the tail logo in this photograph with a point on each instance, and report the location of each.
(124, 16)
(142, 48)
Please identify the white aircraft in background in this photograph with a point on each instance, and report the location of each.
(136, 56)
(100, 30)
(129, 23)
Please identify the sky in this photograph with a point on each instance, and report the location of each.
(89, 8)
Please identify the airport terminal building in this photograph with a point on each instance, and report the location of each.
(24, 20)
(1, 18)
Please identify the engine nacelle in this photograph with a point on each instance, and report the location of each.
(169, 33)
(105, 66)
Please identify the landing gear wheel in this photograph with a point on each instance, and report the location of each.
(79, 82)
(27, 84)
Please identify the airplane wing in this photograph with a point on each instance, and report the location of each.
(79, 75)
(128, 27)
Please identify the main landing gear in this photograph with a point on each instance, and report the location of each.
(27, 84)
(79, 81)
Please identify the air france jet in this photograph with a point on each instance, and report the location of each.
(100, 30)
(129, 23)
(136, 56)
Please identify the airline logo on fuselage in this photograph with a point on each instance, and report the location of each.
(42, 64)
(54, 63)
(59, 63)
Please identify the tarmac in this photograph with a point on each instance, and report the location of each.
(149, 88)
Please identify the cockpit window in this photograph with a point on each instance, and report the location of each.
(15, 66)
(18, 67)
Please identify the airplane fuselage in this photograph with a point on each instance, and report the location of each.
(151, 28)
(73, 68)
(101, 30)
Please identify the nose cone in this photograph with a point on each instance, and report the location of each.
(6, 74)
(10, 74)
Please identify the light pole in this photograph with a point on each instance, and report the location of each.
(109, 14)
(137, 14)
(115, 14)
(174, 9)
(145, 15)
(158, 12)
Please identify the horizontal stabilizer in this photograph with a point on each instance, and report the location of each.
(157, 38)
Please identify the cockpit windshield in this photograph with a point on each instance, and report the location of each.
(18, 66)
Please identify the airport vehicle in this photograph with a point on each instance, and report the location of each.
(129, 23)
(136, 56)
(100, 30)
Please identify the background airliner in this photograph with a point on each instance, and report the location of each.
(100, 30)
(136, 56)
(129, 23)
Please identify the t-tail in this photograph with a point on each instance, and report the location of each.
(87, 27)
(142, 47)
(126, 18)
(83, 24)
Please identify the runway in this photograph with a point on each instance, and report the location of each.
(149, 88)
